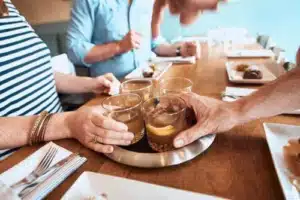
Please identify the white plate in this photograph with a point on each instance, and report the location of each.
(175, 60)
(138, 73)
(278, 136)
(237, 77)
(92, 184)
(261, 53)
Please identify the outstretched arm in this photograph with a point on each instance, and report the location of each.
(214, 116)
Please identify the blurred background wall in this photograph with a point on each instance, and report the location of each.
(277, 18)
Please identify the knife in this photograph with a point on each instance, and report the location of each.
(49, 172)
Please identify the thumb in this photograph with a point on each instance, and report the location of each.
(188, 136)
(105, 82)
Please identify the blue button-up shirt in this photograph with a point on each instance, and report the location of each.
(97, 22)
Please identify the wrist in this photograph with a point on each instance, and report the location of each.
(237, 112)
(88, 84)
(120, 48)
(58, 127)
(69, 123)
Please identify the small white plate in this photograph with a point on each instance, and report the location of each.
(138, 73)
(237, 77)
(261, 53)
(91, 184)
(278, 136)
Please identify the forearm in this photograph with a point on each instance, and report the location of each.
(15, 136)
(72, 84)
(157, 17)
(167, 50)
(282, 95)
(103, 52)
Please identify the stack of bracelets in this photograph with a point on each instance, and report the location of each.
(37, 133)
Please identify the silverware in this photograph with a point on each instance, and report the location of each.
(38, 171)
(39, 190)
(48, 173)
(231, 96)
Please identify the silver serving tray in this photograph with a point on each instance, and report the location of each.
(158, 160)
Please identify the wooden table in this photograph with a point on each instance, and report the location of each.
(237, 166)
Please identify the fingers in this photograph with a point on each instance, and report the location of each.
(102, 148)
(188, 136)
(104, 133)
(103, 81)
(135, 39)
(107, 123)
(110, 141)
(189, 98)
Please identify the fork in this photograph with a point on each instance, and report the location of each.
(39, 170)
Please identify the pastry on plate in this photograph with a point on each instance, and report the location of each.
(148, 73)
(291, 153)
(242, 67)
(253, 72)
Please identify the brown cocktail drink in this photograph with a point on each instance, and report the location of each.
(126, 108)
(142, 87)
(165, 117)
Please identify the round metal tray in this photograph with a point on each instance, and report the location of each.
(141, 155)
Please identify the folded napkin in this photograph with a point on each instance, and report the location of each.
(178, 59)
(234, 93)
(249, 53)
(25, 167)
(6, 193)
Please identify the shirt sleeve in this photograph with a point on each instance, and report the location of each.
(80, 31)
(157, 41)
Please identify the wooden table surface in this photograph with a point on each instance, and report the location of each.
(238, 165)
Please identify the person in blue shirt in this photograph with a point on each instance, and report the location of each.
(115, 36)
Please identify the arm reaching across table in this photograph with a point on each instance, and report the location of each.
(214, 116)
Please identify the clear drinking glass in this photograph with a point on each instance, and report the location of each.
(126, 108)
(165, 117)
(175, 85)
(141, 87)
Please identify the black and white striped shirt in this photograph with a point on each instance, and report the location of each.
(27, 84)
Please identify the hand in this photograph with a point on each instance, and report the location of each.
(88, 124)
(190, 49)
(105, 84)
(213, 116)
(190, 9)
(131, 41)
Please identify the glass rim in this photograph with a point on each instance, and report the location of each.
(131, 80)
(175, 96)
(174, 78)
(122, 109)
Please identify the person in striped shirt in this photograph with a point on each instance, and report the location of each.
(28, 86)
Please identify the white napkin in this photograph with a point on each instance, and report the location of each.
(249, 53)
(6, 193)
(231, 92)
(21, 170)
(115, 89)
(178, 60)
